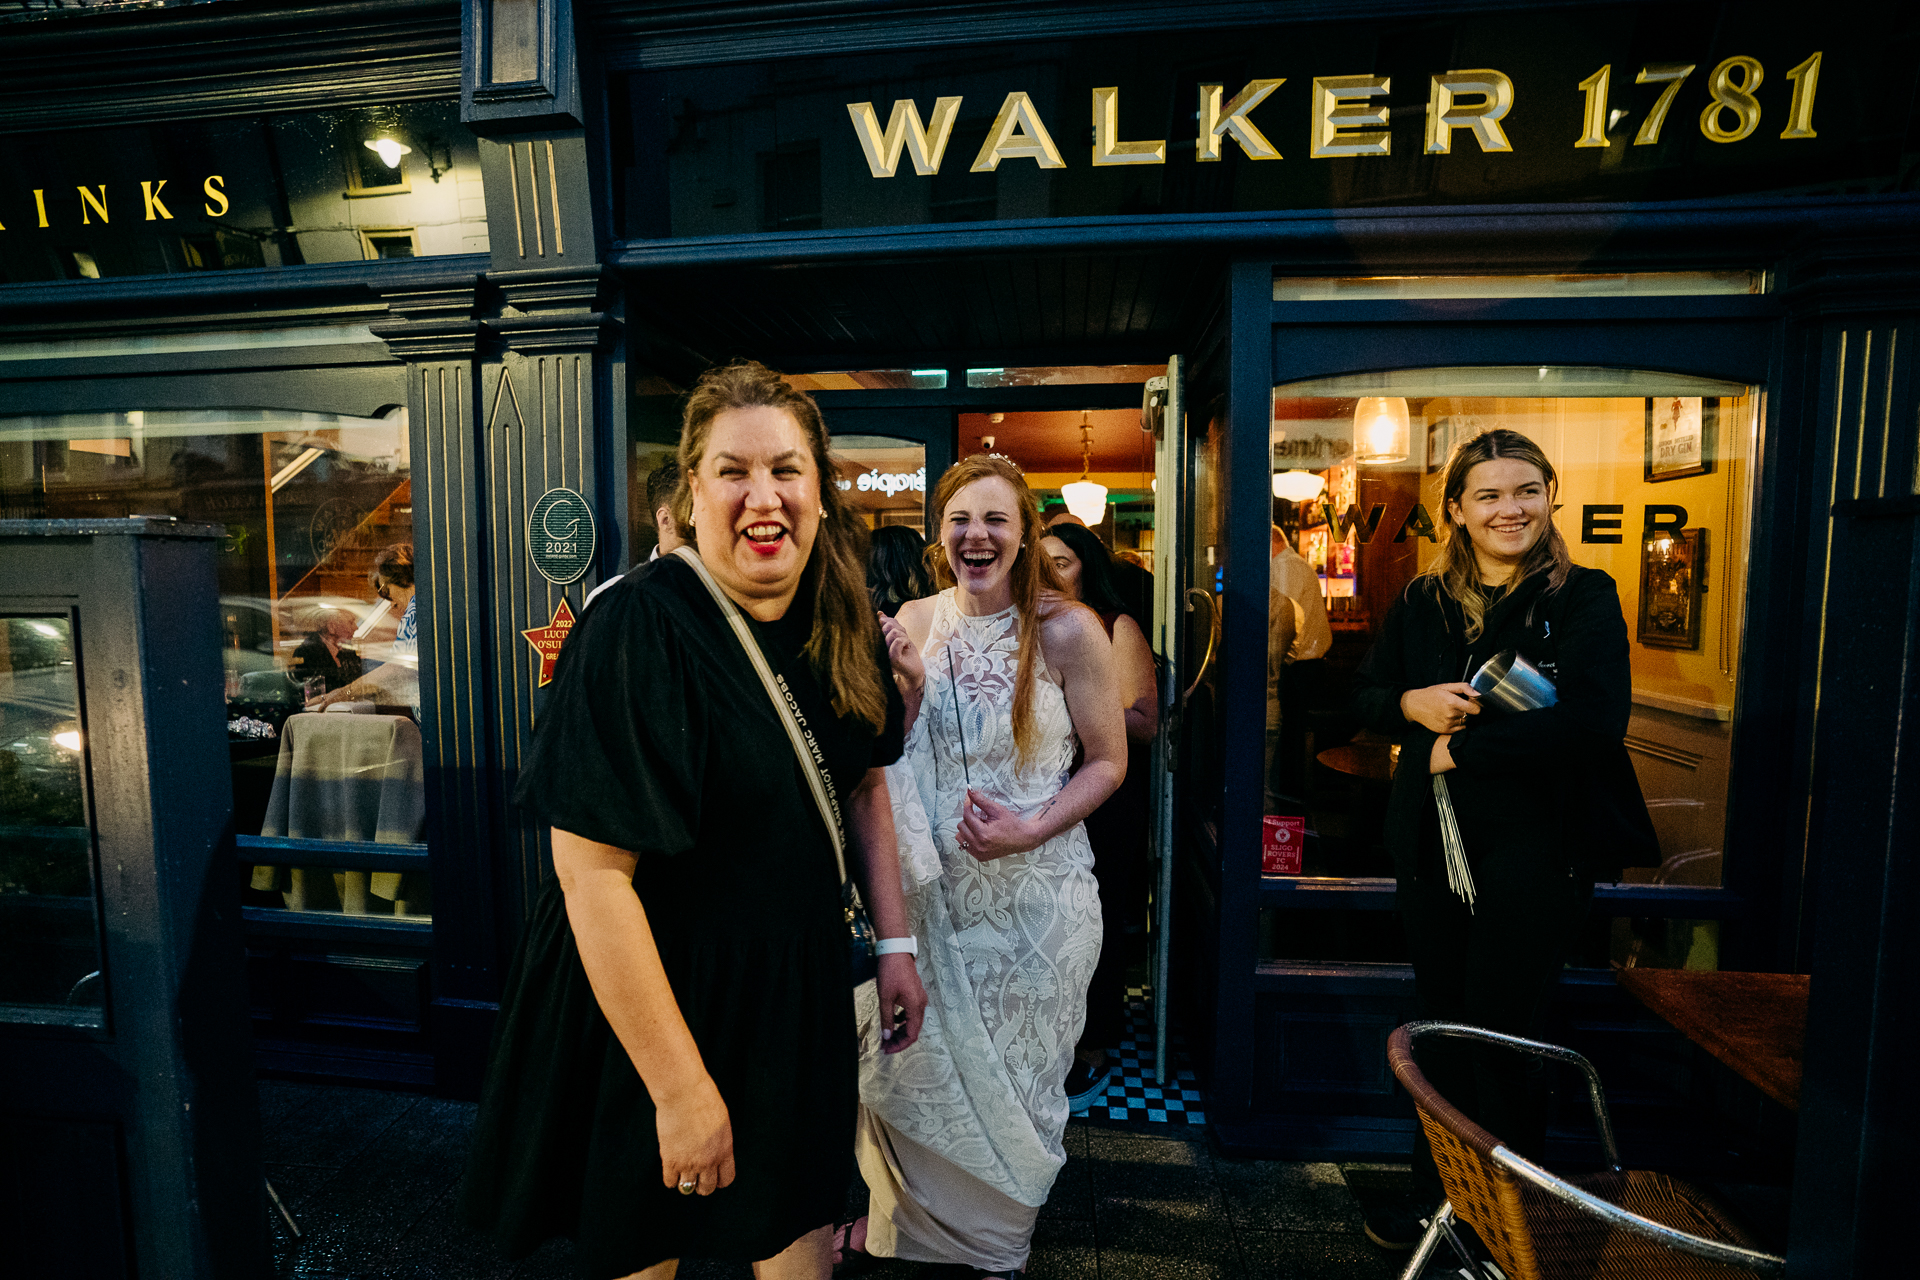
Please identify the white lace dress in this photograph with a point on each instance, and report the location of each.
(960, 1135)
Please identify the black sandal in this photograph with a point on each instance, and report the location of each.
(852, 1261)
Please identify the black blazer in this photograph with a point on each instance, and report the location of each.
(1557, 780)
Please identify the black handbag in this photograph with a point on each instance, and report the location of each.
(864, 963)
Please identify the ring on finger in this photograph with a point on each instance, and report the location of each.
(689, 1185)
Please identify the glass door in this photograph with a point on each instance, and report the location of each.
(1654, 478)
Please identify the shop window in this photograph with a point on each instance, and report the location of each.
(513, 29)
(370, 174)
(790, 188)
(321, 652)
(883, 479)
(244, 193)
(389, 242)
(1620, 284)
(219, 251)
(49, 938)
(1654, 475)
(1064, 375)
(955, 193)
(1201, 746)
(872, 380)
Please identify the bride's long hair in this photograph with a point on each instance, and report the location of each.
(1031, 574)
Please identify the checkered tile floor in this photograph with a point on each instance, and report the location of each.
(1133, 1093)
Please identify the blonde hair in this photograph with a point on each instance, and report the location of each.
(1456, 570)
(1032, 573)
(845, 636)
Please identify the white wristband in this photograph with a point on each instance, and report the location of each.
(896, 946)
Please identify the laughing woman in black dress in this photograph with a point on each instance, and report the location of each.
(674, 1073)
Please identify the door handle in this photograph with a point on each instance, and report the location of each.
(1213, 636)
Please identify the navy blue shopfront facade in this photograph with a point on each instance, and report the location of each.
(1679, 244)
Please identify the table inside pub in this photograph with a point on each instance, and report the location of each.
(1756, 1023)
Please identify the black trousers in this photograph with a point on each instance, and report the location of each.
(1493, 967)
(1118, 832)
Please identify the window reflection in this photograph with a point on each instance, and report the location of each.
(396, 181)
(883, 479)
(317, 613)
(49, 944)
(1654, 477)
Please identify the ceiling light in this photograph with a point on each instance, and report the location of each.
(1298, 486)
(1380, 429)
(388, 150)
(1084, 497)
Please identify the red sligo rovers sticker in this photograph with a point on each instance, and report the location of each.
(546, 641)
(1281, 840)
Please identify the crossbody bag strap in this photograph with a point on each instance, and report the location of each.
(781, 709)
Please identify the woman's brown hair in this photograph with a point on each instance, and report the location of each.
(845, 637)
(1456, 569)
(1032, 573)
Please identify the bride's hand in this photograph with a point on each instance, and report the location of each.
(990, 830)
(901, 653)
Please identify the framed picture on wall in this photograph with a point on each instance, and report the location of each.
(1680, 432)
(1673, 573)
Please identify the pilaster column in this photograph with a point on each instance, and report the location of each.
(438, 334)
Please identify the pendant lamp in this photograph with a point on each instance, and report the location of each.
(388, 150)
(1380, 429)
(1298, 486)
(1084, 497)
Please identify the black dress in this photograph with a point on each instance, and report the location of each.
(1546, 801)
(659, 738)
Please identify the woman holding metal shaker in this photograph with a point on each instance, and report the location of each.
(1511, 798)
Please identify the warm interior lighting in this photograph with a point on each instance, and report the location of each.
(1297, 486)
(1083, 497)
(68, 738)
(1380, 429)
(389, 151)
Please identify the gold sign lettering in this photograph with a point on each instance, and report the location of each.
(212, 187)
(99, 205)
(40, 203)
(1444, 114)
(1017, 134)
(1737, 98)
(1336, 113)
(1107, 148)
(1595, 87)
(1218, 122)
(1349, 116)
(150, 192)
(1806, 78)
(925, 143)
(1672, 75)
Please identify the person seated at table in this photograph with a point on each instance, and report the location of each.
(395, 682)
(324, 653)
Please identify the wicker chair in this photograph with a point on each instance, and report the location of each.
(1616, 1225)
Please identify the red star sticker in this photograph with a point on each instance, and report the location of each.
(546, 641)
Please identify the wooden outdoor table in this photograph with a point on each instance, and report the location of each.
(1756, 1023)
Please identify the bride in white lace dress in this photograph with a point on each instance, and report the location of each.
(960, 1135)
